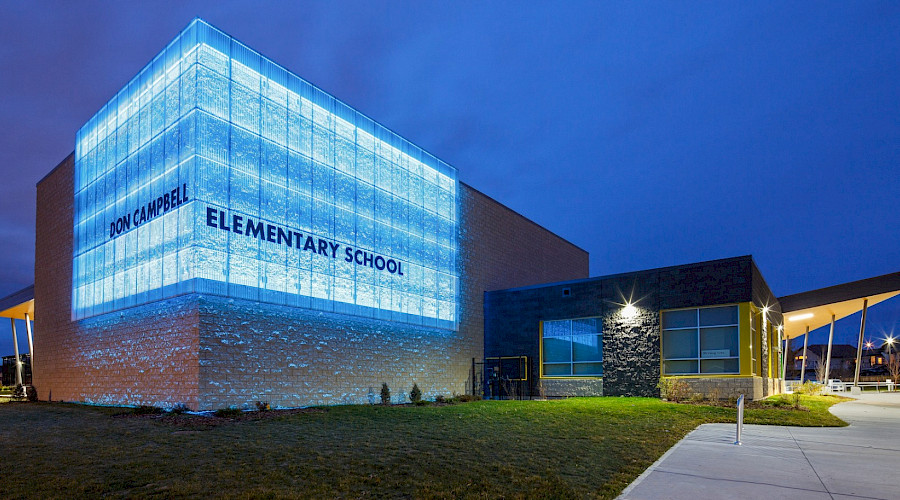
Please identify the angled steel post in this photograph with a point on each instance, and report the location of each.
(862, 332)
(803, 361)
(30, 342)
(12, 322)
(827, 358)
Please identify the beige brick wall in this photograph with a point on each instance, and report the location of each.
(143, 355)
(728, 387)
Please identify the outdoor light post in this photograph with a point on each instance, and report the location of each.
(890, 343)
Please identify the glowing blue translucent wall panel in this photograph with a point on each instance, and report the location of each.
(255, 184)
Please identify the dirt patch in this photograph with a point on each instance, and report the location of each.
(748, 405)
(189, 423)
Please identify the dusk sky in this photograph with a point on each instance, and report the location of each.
(649, 134)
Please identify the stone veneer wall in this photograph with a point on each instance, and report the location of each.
(143, 355)
(631, 346)
(211, 352)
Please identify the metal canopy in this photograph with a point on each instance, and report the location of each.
(17, 305)
(814, 308)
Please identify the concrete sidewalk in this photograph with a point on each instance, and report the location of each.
(859, 461)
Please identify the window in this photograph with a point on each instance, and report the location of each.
(704, 340)
(572, 347)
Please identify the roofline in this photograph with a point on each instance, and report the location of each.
(58, 165)
(839, 293)
(16, 298)
(620, 275)
(522, 216)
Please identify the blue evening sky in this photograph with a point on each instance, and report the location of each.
(648, 133)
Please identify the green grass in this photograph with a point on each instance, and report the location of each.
(582, 447)
(817, 416)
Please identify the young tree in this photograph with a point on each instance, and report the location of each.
(385, 394)
(893, 367)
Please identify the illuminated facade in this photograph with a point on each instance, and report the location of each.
(216, 171)
(226, 233)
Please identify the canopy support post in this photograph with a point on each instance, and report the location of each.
(803, 360)
(30, 341)
(12, 322)
(862, 332)
(827, 358)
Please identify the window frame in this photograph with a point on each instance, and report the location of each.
(571, 363)
(699, 328)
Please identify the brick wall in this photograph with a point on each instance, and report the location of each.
(143, 355)
(501, 249)
(289, 356)
(728, 387)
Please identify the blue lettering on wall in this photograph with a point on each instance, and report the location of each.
(154, 208)
(320, 246)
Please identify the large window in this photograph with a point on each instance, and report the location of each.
(704, 340)
(572, 347)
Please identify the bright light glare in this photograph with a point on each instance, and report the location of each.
(800, 316)
(629, 311)
(889, 340)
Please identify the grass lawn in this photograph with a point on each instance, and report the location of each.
(581, 447)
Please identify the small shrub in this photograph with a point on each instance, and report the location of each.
(385, 394)
(147, 410)
(263, 406)
(809, 389)
(673, 389)
(422, 402)
(697, 398)
(466, 398)
(31, 393)
(228, 412)
(179, 409)
(796, 400)
(714, 395)
(440, 399)
(19, 392)
(776, 402)
(415, 395)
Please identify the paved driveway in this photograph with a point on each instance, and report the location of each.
(859, 461)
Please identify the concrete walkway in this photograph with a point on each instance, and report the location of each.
(859, 461)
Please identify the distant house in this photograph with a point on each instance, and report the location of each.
(843, 359)
(873, 361)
